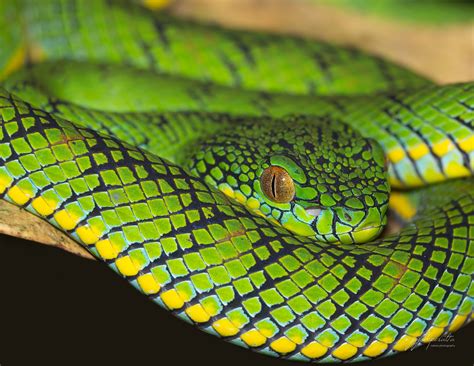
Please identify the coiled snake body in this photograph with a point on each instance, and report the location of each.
(288, 274)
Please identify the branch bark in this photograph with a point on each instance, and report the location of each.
(15, 221)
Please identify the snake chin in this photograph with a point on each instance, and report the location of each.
(366, 234)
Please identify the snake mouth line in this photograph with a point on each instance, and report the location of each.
(366, 234)
(369, 232)
(367, 228)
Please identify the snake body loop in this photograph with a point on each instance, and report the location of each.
(426, 132)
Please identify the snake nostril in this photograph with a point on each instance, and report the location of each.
(313, 211)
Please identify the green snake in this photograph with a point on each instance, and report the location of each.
(127, 152)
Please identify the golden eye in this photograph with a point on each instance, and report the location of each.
(277, 184)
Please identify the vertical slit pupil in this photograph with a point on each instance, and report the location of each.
(274, 186)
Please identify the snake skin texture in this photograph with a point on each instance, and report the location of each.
(85, 138)
(233, 274)
(427, 132)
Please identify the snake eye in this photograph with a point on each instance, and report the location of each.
(277, 184)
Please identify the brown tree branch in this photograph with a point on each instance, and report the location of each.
(15, 221)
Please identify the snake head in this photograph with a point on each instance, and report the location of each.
(314, 176)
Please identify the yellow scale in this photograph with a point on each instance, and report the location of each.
(451, 168)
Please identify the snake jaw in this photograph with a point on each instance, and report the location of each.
(366, 234)
(343, 226)
(355, 237)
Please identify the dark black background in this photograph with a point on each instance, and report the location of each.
(57, 308)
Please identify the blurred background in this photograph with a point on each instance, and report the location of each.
(432, 37)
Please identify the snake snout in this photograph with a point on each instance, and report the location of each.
(344, 226)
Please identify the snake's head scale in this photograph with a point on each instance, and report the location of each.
(315, 177)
